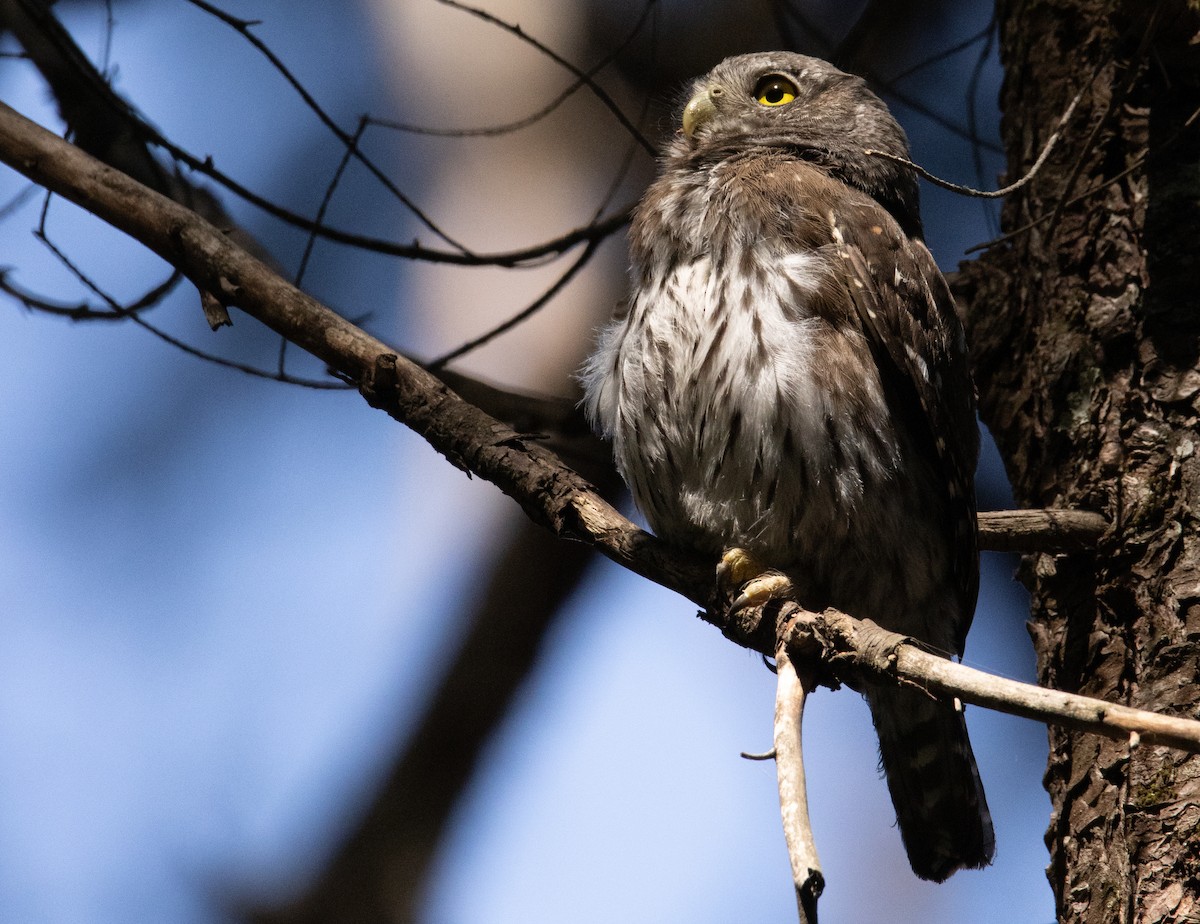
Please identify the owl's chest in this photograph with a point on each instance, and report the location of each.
(738, 412)
(735, 340)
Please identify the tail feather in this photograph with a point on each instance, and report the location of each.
(940, 805)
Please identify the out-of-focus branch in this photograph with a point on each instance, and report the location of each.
(380, 872)
(102, 123)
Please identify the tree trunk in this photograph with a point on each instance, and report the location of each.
(1085, 330)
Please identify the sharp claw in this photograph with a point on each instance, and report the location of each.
(743, 601)
(739, 571)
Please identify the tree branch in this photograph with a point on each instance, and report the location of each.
(857, 649)
(1052, 531)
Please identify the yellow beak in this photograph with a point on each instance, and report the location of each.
(700, 109)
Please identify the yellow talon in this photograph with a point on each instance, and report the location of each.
(759, 584)
(737, 567)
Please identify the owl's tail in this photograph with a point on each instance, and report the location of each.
(940, 806)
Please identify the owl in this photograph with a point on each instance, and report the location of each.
(789, 379)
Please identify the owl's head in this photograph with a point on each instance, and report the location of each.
(807, 107)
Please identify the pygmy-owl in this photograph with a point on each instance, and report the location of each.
(789, 377)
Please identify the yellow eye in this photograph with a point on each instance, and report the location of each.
(775, 91)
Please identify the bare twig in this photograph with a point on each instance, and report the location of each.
(132, 313)
(790, 694)
(945, 54)
(532, 119)
(524, 314)
(85, 311)
(522, 256)
(983, 193)
(1115, 103)
(244, 28)
(598, 91)
(787, 9)
(1147, 157)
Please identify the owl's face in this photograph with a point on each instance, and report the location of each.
(807, 107)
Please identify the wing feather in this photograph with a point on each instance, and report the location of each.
(907, 312)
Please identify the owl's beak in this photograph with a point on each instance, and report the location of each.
(700, 109)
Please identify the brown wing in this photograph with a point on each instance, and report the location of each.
(907, 312)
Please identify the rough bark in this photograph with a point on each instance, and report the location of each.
(1086, 330)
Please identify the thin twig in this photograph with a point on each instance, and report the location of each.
(944, 55)
(598, 91)
(899, 96)
(327, 198)
(790, 694)
(982, 193)
(972, 92)
(244, 28)
(132, 313)
(523, 314)
(1142, 159)
(519, 257)
(532, 119)
(17, 201)
(85, 311)
(1116, 101)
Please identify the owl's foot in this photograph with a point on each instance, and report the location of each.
(757, 584)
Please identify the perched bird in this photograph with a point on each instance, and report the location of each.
(789, 379)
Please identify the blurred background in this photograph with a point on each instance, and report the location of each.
(245, 626)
